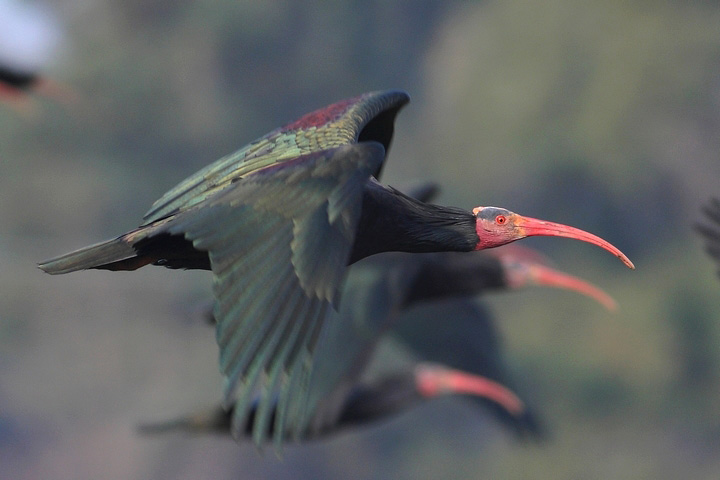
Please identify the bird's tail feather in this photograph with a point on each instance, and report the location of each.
(115, 254)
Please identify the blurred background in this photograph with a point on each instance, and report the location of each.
(602, 115)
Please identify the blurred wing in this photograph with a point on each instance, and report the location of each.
(368, 117)
(711, 233)
(278, 242)
(460, 334)
(370, 299)
(457, 332)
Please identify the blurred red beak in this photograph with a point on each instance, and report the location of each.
(435, 380)
(542, 275)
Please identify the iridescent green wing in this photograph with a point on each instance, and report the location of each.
(278, 241)
(368, 117)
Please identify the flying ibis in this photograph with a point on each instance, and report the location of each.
(278, 222)
(367, 402)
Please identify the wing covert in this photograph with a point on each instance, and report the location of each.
(365, 118)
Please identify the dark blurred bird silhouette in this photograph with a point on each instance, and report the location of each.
(278, 222)
(366, 403)
(30, 36)
(711, 232)
(16, 85)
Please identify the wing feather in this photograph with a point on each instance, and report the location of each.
(342, 123)
(241, 337)
(274, 336)
(285, 354)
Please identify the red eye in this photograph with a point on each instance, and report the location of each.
(500, 219)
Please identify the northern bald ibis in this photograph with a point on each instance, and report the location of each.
(367, 402)
(278, 222)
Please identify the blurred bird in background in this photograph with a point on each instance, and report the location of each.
(30, 39)
(366, 402)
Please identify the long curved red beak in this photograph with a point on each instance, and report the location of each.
(535, 227)
(549, 277)
(433, 380)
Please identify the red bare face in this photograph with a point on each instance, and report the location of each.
(519, 274)
(496, 226)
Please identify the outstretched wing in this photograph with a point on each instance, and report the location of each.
(711, 233)
(278, 242)
(368, 117)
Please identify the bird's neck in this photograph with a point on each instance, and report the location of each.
(393, 222)
(447, 275)
(376, 400)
